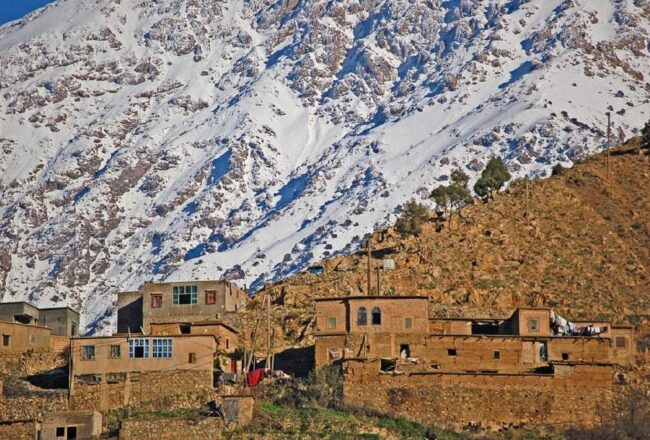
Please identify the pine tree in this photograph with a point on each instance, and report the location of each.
(645, 138)
(493, 177)
(410, 222)
(453, 196)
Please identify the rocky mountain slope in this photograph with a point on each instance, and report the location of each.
(185, 139)
(584, 250)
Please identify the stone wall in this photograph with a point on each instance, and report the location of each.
(150, 389)
(31, 361)
(18, 430)
(577, 397)
(171, 429)
(31, 407)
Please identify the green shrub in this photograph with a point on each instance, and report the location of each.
(410, 222)
(493, 177)
(557, 170)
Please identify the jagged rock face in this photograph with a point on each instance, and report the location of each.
(198, 139)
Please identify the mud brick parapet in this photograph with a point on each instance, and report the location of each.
(154, 389)
(579, 396)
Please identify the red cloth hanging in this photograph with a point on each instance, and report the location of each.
(254, 377)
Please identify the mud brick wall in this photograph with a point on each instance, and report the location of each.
(31, 407)
(584, 349)
(171, 429)
(18, 430)
(155, 389)
(579, 398)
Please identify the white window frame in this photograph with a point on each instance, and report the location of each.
(138, 342)
(191, 290)
(161, 348)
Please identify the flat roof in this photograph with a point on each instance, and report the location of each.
(223, 324)
(467, 319)
(25, 325)
(188, 282)
(341, 298)
(198, 323)
(138, 335)
(39, 308)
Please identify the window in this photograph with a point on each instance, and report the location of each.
(533, 325)
(162, 347)
(139, 348)
(227, 343)
(60, 431)
(211, 296)
(451, 352)
(376, 316)
(72, 433)
(408, 323)
(565, 356)
(362, 316)
(621, 342)
(114, 351)
(156, 300)
(87, 352)
(497, 355)
(185, 294)
(116, 378)
(192, 359)
(331, 322)
(543, 352)
(6, 340)
(73, 329)
(88, 379)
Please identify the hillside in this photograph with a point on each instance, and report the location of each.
(200, 139)
(585, 252)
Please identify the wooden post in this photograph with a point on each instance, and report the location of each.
(369, 251)
(252, 353)
(609, 133)
(527, 203)
(378, 281)
(268, 331)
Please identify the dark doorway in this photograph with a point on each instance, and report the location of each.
(72, 433)
(404, 351)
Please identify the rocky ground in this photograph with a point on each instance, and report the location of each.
(585, 251)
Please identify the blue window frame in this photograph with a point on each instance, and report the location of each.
(162, 347)
(185, 295)
(139, 348)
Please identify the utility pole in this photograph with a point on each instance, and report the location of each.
(268, 331)
(609, 135)
(378, 281)
(369, 251)
(527, 203)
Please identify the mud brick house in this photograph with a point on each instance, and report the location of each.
(62, 320)
(18, 338)
(71, 425)
(227, 337)
(115, 371)
(369, 327)
(399, 327)
(187, 302)
(532, 367)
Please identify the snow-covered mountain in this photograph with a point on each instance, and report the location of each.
(181, 139)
